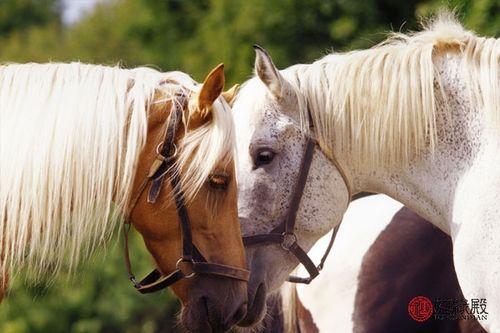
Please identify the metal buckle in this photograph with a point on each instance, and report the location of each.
(136, 284)
(160, 145)
(190, 272)
(289, 240)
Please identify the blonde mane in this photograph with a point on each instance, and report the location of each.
(205, 148)
(70, 139)
(381, 102)
(289, 299)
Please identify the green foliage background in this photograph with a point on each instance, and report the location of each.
(192, 36)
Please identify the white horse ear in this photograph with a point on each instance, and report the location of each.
(267, 71)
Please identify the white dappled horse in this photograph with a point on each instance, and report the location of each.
(332, 303)
(368, 287)
(416, 117)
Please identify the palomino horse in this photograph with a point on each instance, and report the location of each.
(416, 117)
(375, 281)
(83, 145)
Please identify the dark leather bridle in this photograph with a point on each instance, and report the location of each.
(284, 233)
(192, 261)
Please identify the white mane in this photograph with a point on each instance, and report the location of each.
(201, 150)
(70, 138)
(380, 103)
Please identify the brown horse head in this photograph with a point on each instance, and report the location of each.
(104, 130)
(204, 165)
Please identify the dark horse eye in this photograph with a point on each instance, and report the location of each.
(264, 157)
(218, 181)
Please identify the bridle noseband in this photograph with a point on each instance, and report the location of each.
(284, 233)
(192, 261)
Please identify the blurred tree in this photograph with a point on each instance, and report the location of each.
(20, 15)
(97, 298)
(114, 32)
(139, 32)
(29, 29)
(292, 30)
(479, 15)
(194, 36)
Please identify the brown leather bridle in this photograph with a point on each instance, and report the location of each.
(284, 233)
(191, 262)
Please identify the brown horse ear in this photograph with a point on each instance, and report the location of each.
(211, 89)
(230, 95)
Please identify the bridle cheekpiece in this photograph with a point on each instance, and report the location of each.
(192, 261)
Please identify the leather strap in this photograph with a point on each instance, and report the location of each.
(262, 239)
(284, 233)
(161, 166)
(221, 270)
(156, 281)
(187, 238)
(166, 157)
(301, 183)
(309, 265)
(202, 266)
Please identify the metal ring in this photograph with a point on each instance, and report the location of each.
(161, 144)
(289, 240)
(177, 266)
(158, 148)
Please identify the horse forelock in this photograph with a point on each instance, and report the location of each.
(207, 149)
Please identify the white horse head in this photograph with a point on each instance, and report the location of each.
(271, 144)
(416, 117)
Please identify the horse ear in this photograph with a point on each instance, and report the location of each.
(211, 89)
(230, 94)
(267, 71)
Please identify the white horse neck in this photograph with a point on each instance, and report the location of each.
(446, 186)
(454, 184)
(426, 182)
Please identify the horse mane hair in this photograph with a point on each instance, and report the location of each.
(70, 139)
(289, 300)
(381, 102)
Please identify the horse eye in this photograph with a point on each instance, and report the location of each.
(218, 181)
(264, 157)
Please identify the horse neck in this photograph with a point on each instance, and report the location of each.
(427, 184)
(444, 187)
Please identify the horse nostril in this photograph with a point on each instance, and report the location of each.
(240, 313)
(204, 302)
(219, 322)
